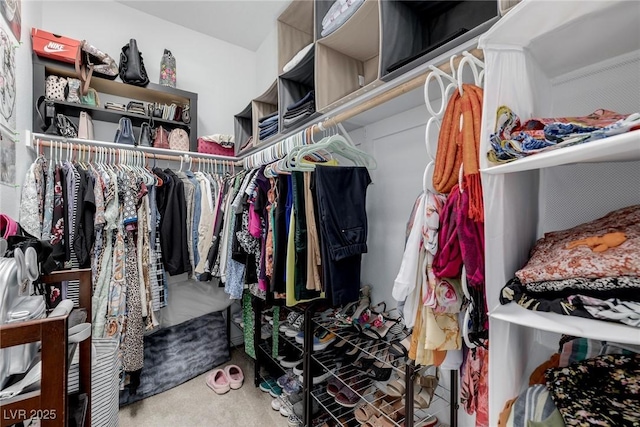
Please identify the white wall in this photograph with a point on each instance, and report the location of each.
(222, 74)
(10, 196)
(266, 63)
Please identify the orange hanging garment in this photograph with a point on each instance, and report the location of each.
(459, 146)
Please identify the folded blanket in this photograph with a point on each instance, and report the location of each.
(512, 139)
(269, 127)
(551, 259)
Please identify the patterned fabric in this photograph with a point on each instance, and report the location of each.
(249, 326)
(603, 391)
(29, 204)
(551, 260)
(627, 312)
(600, 284)
(474, 394)
(513, 140)
(57, 230)
(47, 219)
(132, 348)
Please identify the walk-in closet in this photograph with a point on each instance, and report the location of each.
(320, 213)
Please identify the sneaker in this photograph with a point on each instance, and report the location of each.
(266, 384)
(275, 391)
(288, 376)
(292, 386)
(322, 338)
(298, 369)
(318, 373)
(295, 327)
(275, 404)
(294, 421)
(291, 318)
(291, 360)
(286, 408)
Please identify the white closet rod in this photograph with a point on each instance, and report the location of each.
(281, 148)
(44, 140)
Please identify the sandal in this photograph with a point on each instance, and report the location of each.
(364, 412)
(380, 370)
(397, 387)
(380, 325)
(427, 385)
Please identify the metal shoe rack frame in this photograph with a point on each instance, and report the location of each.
(327, 361)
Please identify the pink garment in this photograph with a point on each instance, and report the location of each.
(471, 240)
(474, 394)
(254, 223)
(8, 227)
(447, 261)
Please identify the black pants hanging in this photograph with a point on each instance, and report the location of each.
(341, 196)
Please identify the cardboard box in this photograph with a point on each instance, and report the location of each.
(53, 46)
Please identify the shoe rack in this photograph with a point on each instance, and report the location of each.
(444, 397)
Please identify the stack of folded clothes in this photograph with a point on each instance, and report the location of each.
(300, 110)
(338, 14)
(268, 125)
(592, 271)
(514, 139)
(115, 106)
(137, 108)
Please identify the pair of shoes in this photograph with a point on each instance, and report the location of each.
(283, 405)
(269, 385)
(298, 408)
(383, 411)
(322, 338)
(223, 380)
(374, 363)
(288, 376)
(318, 373)
(350, 394)
(266, 331)
(290, 357)
(292, 386)
(292, 318)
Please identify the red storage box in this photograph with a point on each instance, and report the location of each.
(53, 46)
(211, 147)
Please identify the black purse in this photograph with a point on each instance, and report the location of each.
(66, 127)
(132, 69)
(48, 117)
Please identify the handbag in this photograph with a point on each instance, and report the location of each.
(66, 127)
(91, 98)
(73, 94)
(186, 116)
(55, 88)
(168, 69)
(47, 118)
(85, 126)
(132, 69)
(91, 60)
(145, 135)
(161, 139)
(179, 140)
(207, 146)
(124, 133)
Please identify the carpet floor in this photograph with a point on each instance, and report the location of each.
(196, 405)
